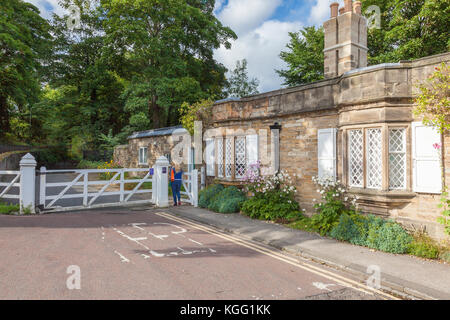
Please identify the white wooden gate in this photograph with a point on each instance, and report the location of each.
(6, 187)
(93, 192)
(190, 184)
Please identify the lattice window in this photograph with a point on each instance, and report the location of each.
(220, 165)
(241, 163)
(374, 159)
(356, 158)
(397, 159)
(228, 157)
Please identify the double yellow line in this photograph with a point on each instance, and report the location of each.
(346, 282)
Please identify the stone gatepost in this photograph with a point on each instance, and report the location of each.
(161, 179)
(27, 183)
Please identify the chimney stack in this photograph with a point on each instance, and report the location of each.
(345, 39)
(334, 9)
(357, 7)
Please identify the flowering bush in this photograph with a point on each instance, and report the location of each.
(108, 165)
(273, 196)
(334, 203)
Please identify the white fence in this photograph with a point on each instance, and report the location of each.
(90, 191)
(6, 187)
(64, 190)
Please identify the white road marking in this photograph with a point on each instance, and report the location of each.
(158, 236)
(200, 244)
(323, 286)
(156, 254)
(124, 259)
(173, 225)
(131, 239)
(344, 281)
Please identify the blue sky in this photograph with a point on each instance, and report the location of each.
(262, 27)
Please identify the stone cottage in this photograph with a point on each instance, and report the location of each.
(356, 125)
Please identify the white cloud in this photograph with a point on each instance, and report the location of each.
(48, 7)
(244, 15)
(261, 47)
(320, 12)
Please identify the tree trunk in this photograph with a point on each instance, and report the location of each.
(4, 116)
(154, 112)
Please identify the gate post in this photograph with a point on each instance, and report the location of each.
(162, 185)
(27, 183)
(42, 184)
(194, 178)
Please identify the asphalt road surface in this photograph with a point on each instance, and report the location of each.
(150, 254)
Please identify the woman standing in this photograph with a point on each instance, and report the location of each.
(176, 179)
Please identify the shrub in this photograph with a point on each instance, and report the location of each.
(423, 246)
(229, 200)
(274, 196)
(108, 165)
(445, 255)
(87, 164)
(373, 232)
(390, 237)
(8, 208)
(334, 204)
(206, 195)
(51, 156)
(351, 228)
(271, 205)
(445, 206)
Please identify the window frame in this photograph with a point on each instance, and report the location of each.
(146, 156)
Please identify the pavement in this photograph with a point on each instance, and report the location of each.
(148, 253)
(403, 275)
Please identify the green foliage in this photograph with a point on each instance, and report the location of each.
(238, 84)
(445, 255)
(8, 208)
(229, 200)
(372, 232)
(390, 237)
(206, 195)
(424, 247)
(272, 205)
(303, 223)
(166, 50)
(445, 206)
(199, 111)
(51, 156)
(86, 164)
(304, 57)
(409, 30)
(334, 204)
(433, 102)
(24, 37)
(220, 199)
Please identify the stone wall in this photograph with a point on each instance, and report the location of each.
(380, 95)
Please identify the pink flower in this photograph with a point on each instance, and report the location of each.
(437, 146)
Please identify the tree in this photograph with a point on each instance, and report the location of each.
(409, 30)
(199, 111)
(433, 101)
(433, 105)
(304, 57)
(238, 84)
(165, 48)
(87, 99)
(23, 40)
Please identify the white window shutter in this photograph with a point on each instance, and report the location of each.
(210, 152)
(326, 152)
(252, 149)
(426, 162)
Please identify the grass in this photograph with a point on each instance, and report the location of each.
(303, 224)
(9, 208)
(86, 164)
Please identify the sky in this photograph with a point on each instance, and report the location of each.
(262, 27)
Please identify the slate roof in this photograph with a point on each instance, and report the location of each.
(156, 132)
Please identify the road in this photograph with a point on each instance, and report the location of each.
(146, 253)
